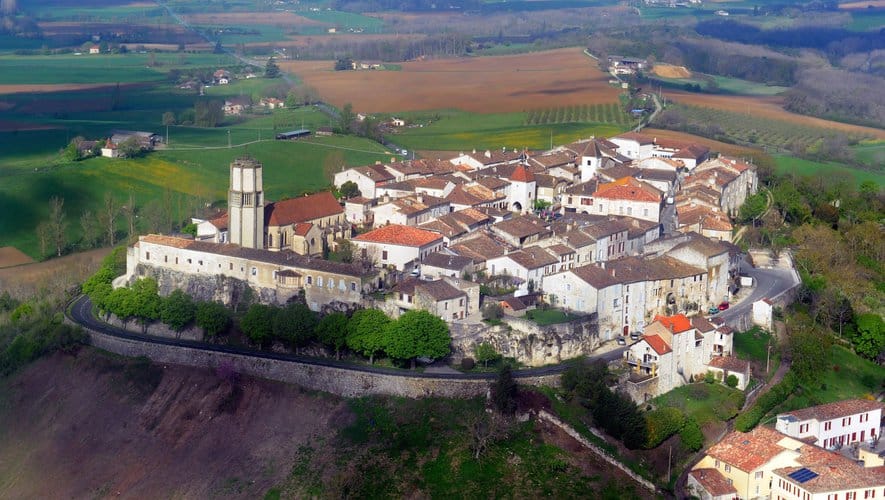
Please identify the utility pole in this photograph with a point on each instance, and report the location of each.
(768, 358)
(167, 135)
(669, 453)
(228, 139)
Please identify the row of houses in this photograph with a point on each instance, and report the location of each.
(792, 462)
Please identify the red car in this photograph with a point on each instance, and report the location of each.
(723, 306)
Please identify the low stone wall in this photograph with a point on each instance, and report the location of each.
(155, 329)
(543, 415)
(335, 380)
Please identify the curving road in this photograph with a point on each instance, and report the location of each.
(80, 312)
(769, 283)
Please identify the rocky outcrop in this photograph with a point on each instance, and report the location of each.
(528, 342)
(212, 287)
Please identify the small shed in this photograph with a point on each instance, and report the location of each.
(293, 134)
(763, 313)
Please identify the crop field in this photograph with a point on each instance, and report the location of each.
(749, 129)
(345, 20)
(103, 68)
(498, 84)
(455, 130)
(768, 108)
(288, 19)
(594, 113)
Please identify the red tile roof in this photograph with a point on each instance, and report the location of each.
(730, 363)
(628, 188)
(713, 481)
(677, 323)
(221, 223)
(838, 409)
(635, 137)
(302, 209)
(834, 472)
(522, 174)
(748, 451)
(657, 343)
(396, 234)
(302, 228)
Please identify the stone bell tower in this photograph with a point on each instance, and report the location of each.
(245, 203)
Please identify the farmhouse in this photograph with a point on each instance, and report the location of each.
(235, 106)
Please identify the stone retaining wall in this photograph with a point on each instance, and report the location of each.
(335, 380)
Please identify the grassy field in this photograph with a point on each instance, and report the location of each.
(789, 164)
(345, 21)
(871, 153)
(180, 176)
(737, 86)
(707, 403)
(849, 376)
(251, 33)
(102, 68)
(457, 130)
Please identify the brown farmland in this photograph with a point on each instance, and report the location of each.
(670, 71)
(769, 108)
(245, 18)
(537, 80)
(11, 256)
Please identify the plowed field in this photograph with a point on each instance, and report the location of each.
(670, 71)
(538, 80)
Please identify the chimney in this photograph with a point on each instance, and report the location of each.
(420, 198)
(488, 154)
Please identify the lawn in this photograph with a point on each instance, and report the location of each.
(790, 164)
(848, 376)
(458, 130)
(707, 403)
(544, 317)
(753, 344)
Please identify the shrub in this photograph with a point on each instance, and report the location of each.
(661, 424)
(467, 364)
(691, 435)
(777, 394)
(504, 392)
(710, 378)
(731, 381)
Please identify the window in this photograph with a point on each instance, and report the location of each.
(310, 280)
(353, 286)
(254, 271)
(189, 261)
(629, 210)
(200, 262)
(645, 212)
(727, 468)
(616, 303)
(165, 258)
(176, 260)
(319, 281)
(342, 285)
(231, 266)
(147, 255)
(446, 306)
(384, 255)
(758, 474)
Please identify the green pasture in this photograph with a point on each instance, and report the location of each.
(345, 20)
(99, 68)
(707, 403)
(453, 130)
(867, 20)
(108, 14)
(290, 168)
(728, 85)
(788, 164)
(870, 153)
(263, 33)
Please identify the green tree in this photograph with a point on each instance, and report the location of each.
(504, 391)
(130, 148)
(332, 331)
(208, 113)
(731, 381)
(691, 435)
(661, 424)
(58, 224)
(810, 347)
(212, 317)
(418, 334)
(146, 299)
(292, 100)
(869, 341)
(271, 69)
(71, 152)
(349, 190)
(484, 353)
(258, 323)
(346, 119)
(295, 324)
(753, 207)
(177, 310)
(366, 332)
(168, 118)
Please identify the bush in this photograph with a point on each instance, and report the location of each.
(468, 364)
(504, 392)
(34, 338)
(776, 395)
(731, 381)
(691, 435)
(661, 424)
(710, 378)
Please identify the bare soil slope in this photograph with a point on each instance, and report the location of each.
(89, 426)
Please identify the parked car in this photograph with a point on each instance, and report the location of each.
(723, 306)
(713, 310)
(622, 341)
(635, 335)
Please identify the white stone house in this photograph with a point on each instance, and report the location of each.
(367, 179)
(628, 197)
(529, 265)
(397, 246)
(763, 313)
(834, 424)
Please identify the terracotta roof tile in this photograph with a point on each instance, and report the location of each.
(748, 451)
(628, 188)
(838, 409)
(834, 472)
(396, 234)
(677, 323)
(657, 343)
(714, 482)
(522, 174)
(302, 228)
(729, 363)
(302, 209)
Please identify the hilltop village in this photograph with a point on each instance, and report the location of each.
(631, 235)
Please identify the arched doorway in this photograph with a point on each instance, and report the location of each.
(516, 206)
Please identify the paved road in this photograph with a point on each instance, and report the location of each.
(81, 312)
(769, 283)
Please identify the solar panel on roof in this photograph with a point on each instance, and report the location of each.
(802, 475)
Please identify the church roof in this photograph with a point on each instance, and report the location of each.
(302, 209)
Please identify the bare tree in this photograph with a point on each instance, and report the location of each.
(44, 236)
(91, 229)
(110, 211)
(57, 224)
(130, 211)
(485, 430)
